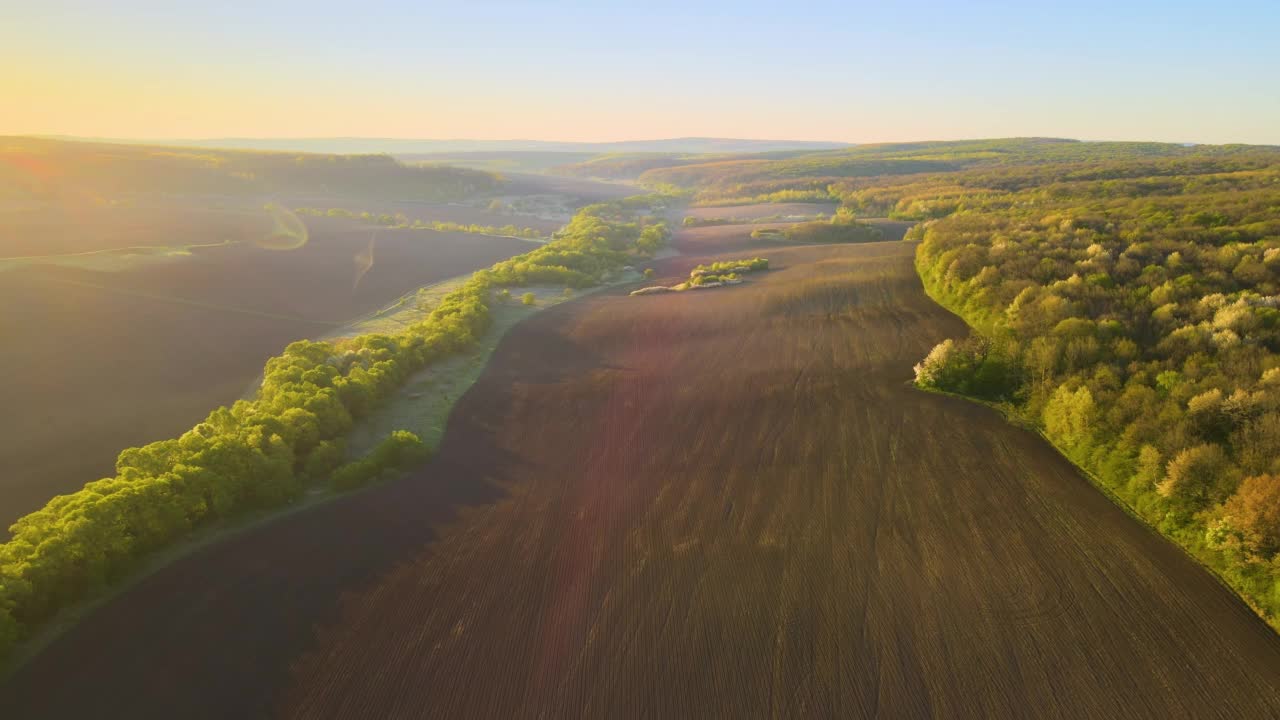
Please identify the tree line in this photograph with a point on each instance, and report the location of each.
(264, 452)
(1131, 310)
(401, 221)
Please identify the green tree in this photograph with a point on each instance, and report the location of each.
(1254, 511)
(1069, 420)
(1198, 476)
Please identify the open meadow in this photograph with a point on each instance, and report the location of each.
(727, 502)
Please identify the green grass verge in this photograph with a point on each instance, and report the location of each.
(422, 405)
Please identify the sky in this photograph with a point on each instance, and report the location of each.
(848, 71)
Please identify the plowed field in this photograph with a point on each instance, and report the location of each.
(95, 362)
(724, 503)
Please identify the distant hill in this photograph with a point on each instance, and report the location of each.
(513, 161)
(810, 172)
(395, 146)
(49, 171)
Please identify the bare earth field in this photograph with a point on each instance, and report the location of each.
(724, 503)
(122, 347)
(442, 212)
(100, 361)
(711, 239)
(761, 210)
(86, 228)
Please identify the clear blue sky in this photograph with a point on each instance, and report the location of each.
(854, 71)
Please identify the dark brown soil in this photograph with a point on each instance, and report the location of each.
(713, 239)
(716, 504)
(101, 361)
(85, 228)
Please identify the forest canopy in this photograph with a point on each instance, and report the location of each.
(1130, 308)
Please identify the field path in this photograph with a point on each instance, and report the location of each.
(723, 503)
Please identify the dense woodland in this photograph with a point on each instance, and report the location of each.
(264, 453)
(1131, 310)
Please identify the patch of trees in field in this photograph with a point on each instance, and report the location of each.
(807, 191)
(704, 277)
(1131, 310)
(263, 453)
(691, 221)
(726, 271)
(401, 221)
(812, 233)
(841, 228)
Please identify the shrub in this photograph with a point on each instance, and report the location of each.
(528, 298)
(400, 449)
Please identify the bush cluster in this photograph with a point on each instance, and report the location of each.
(726, 271)
(401, 449)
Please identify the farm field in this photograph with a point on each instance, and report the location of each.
(551, 211)
(761, 210)
(586, 191)
(721, 503)
(724, 238)
(149, 285)
(444, 360)
(711, 239)
(199, 328)
(86, 228)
